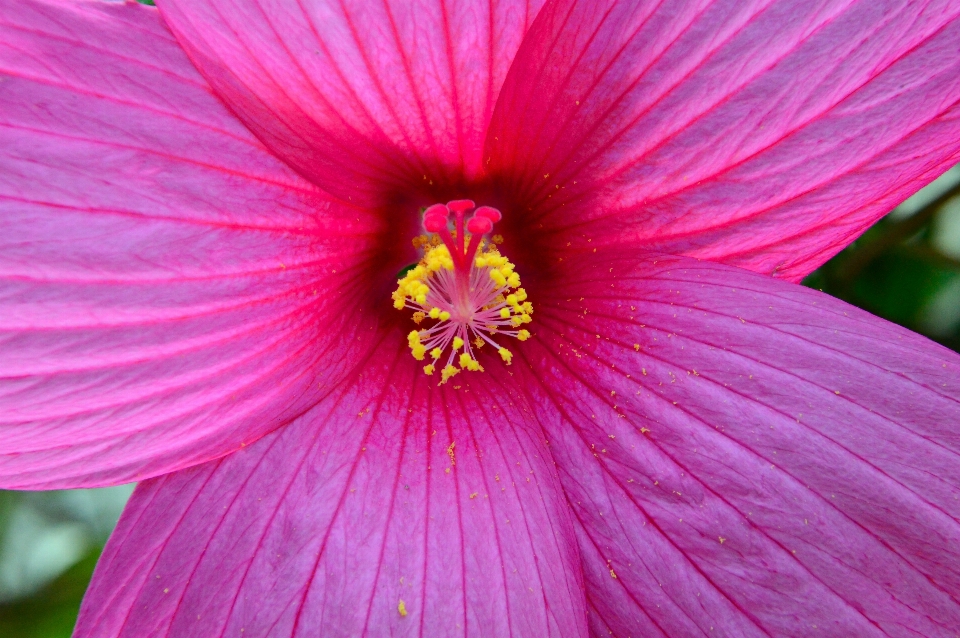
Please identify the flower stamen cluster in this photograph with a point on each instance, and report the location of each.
(462, 283)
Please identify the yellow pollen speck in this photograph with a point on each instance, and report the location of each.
(636, 347)
(402, 608)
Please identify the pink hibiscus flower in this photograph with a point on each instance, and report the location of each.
(204, 211)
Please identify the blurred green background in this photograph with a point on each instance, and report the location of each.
(49, 544)
(906, 268)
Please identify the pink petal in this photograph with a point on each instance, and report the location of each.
(157, 266)
(762, 134)
(749, 455)
(364, 98)
(391, 490)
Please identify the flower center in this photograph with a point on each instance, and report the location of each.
(464, 285)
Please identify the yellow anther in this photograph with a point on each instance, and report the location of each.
(506, 355)
(444, 315)
(465, 360)
(498, 278)
(434, 313)
(447, 372)
(523, 335)
(413, 337)
(521, 294)
(418, 317)
(436, 352)
(504, 313)
(457, 343)
(513, 280)
(428, 369)
(418, 350)
(478, 343)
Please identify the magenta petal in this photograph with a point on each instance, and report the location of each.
(156, 301)
(392, 490)
(749, 455)
(762, 134)
(361, 97)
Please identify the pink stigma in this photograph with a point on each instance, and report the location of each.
(436, 220)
